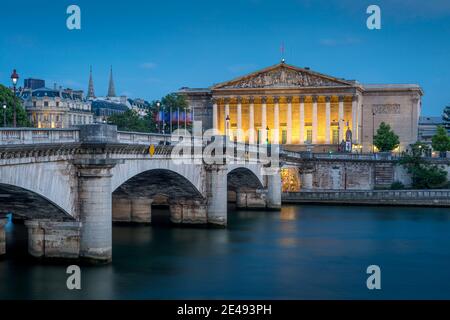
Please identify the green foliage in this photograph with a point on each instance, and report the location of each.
(6, 95)
(385, 139)
(131, 121)
(424, 174)
(397, 185)
(174, 101)
(441, 140)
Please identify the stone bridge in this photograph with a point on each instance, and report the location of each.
(69, 185)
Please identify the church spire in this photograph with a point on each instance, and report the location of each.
(111, 88)
(91, 93)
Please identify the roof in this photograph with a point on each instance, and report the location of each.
(283, 75)
(425, 120)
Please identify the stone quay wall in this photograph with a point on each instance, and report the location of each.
(435, 198)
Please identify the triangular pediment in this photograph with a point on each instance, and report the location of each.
(283, 76)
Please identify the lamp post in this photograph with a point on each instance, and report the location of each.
(14, 80)
(227, 126)
(373, 131)
(267, 135)
(4, 114)
(158, 106)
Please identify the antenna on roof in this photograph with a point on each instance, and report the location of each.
(282, 52)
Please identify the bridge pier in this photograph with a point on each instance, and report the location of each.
(131, 209)
(217, 194)
(3, 221)
(95, 201)
(53, 239)
(141, 210)
(250, 198)
(188, 211)
(274, 191)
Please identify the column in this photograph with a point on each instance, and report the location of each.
(215, 115)
(94, 194)
(289, 120)
(227, 114)
(359, 136)
(217, 194)
(251, 124)
(307, 180)
(314, 120)
(239, 119)
(263, 119)
(276, 113)
(341, 120)
(302, 120)
(355, 118)
(3, 221)
(327, 120)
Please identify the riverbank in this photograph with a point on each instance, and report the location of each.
(427, 198)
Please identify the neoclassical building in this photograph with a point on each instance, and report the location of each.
(300, 107)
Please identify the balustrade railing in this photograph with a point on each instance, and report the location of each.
(11, 136)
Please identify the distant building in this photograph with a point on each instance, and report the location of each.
(104, 108)
(33, 84)
(428, 127)
(446, 118)
(141, 106)
(50, 108)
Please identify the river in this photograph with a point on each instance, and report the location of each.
(302, 252)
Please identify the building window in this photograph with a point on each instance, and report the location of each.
(57, 103)
(34, 104)
(45, 103)
(283, 137)
(335, 139)
(309, 136)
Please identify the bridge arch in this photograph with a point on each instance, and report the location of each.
(134, 199)
(130, 169)
(29, 204)
(162, 182)
(246, 187)
(51, 183)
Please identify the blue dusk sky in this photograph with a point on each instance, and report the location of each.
(156, 47)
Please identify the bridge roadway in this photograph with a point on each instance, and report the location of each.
(69, 185)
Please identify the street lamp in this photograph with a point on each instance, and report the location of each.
(4, 114)
(373, 132)
(158, 106)
(14, 80)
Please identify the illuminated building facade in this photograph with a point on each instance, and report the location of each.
(299, 107)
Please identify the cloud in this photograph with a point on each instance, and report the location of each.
(333, 42)
(148, 65)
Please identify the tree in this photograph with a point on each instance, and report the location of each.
(424, 175)
(176, 103)
(385, 139)
(6, 95)
(130, 121)
(441, 141)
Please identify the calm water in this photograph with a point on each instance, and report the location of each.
(304, 252)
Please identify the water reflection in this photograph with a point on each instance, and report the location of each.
(301, 252)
